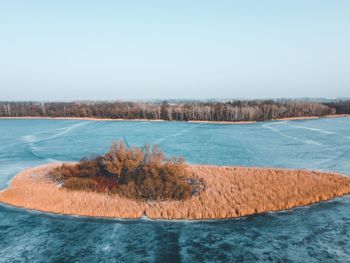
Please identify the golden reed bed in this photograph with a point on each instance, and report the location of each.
(230, 192)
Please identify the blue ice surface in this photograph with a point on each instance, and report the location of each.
(318, 233)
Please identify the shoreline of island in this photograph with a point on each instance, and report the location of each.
(161, 120)
(231, 192)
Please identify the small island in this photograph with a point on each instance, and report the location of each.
(142, 182)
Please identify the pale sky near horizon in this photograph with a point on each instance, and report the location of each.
(68, 50)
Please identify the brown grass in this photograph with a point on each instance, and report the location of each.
(230, 192)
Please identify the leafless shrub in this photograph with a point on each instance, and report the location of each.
(133, 173)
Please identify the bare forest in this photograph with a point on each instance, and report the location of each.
(179, 111)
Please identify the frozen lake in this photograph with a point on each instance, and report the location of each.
(319, 233)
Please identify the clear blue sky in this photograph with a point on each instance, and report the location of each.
(63, 50)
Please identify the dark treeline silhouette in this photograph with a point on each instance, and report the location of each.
(180, 111)
(341, 107)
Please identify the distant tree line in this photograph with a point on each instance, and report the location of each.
(181, 111)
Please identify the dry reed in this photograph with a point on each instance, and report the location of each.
(230, 192)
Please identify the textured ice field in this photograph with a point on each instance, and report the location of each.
(319, 233)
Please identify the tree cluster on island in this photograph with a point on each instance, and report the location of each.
(256, 110)
(140, 174)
